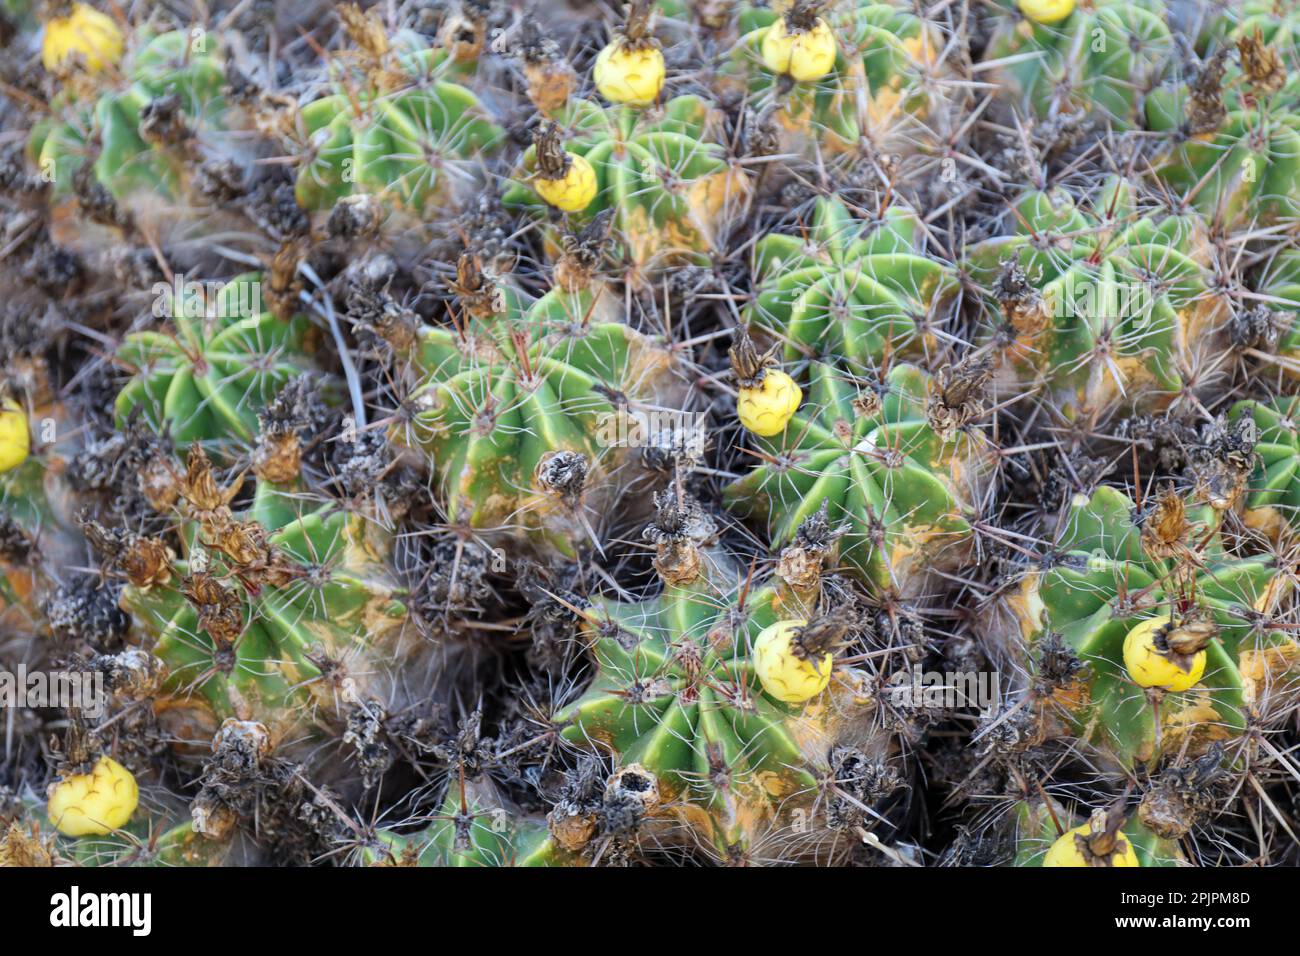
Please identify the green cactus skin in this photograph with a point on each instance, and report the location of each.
(126, 162)
(1248, 169)
(519, 386)
(675, 689)
(1128, 295)
(656, 168)
(343, 604)
(401, 145)
(882, 51)
(143, 843)
(849, 290)
(208, 381)
(1035, 832)
(472, 829)
(152, 838)
(1280, 281)
(19, 12)
(1104, 583)
(1100, 59)
(1278, 24)
(38, 501)
(26, 500)
(1273, 500)
(899, 489)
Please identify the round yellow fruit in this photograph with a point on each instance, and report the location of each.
(1046, 11)
(784, 676)
(94, 803)
(1150, 668)
(807, 55)
(87, 32)
(631, 75)
(15, 439)
(767, 409)
(1065, 851)
(575, 191)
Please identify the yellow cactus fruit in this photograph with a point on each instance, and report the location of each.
(565, 181)
(85, 32)
(15, 439)
(1066, 851)
(574, 191)
(629, 73)
(1046, 11)
(765, 410)
(94, 803)
(1152, 662)
(806, 55)
(784, 675)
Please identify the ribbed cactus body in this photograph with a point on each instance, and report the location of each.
(506, 394)
(1035, 830)
(1280, 282)
(411, 145)
(1116, 307)
(1246, 168)
(849, 289)
(1235, 123)
(37, 505)
(1278, 25)
(25, 507)
(258, 632)
(152, 842)
(473, 828)
(129, 160)
(873, 91)
(1273, 499)
(207, 380)
(1104, 580)
(1099, 60)
(872, 458)
(669, 185)
(676, 694)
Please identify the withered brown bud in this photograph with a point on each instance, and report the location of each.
(159, 485)
(476, 292)
(1165, 528)
(278, 457)
(1023, 306)
(747, 365)
(553, 160)
(677, 560)
(365, 28)
(148, 563)
(1261, 64)
(219, 607)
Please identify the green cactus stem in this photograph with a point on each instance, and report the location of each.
(144, 133)
(1111, 571)
(409, 137)
(519, 409)
(1099, 305)
(870, 455)
(225, 360)
(669, 185)
(849, 290)
(876, 90)
(273, 615)
(1098, 61)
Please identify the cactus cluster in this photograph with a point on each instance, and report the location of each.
(486, 434)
